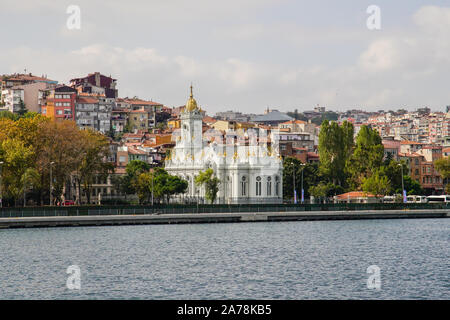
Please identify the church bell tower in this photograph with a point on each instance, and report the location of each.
(191, 126)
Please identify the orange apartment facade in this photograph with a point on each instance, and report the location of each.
(60, 104)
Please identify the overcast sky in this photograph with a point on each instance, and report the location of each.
(243, 55)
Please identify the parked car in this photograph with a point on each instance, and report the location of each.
(69, 203)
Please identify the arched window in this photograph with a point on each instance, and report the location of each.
(244, 186)
(269, 186)
(277, 186)
(258, 186)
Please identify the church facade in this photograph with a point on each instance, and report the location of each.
(249, 170)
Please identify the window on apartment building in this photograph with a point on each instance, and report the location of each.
(121, 158)
(417, 161)
(269, 186)
(417, 171)
(59, 112)
(67, 96)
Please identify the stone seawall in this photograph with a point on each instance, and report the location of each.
(109, 220)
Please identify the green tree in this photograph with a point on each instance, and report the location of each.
(95, 151)
(143, 186)
(377, 184)
(22, 108)
(17, 158)
(412, 186)
(8, 115)
(443, 167)
(166, 185)
(129, 184)
(393, 171)
(335, 147)
(328, 116)
(30, 179)
(136, 167)
(367, 156)
(210, 182)
(311, 177)
(325, 190)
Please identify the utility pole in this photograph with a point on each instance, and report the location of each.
(293, 173)
(403, 186)
(153, 177)
(51, 183)
(303, 193)
(24, 194)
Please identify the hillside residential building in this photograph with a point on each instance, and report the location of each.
(60, 103)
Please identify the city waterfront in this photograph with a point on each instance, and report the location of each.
(284, 260)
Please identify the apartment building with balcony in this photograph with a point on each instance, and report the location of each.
(96, 84)
(94, 112)
(12, 99)
(60, 103)
(16, 80)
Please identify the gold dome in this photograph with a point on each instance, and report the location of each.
(191, 104)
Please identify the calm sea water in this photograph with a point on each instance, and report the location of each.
(285, 260)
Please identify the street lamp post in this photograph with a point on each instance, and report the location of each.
(303, 193)
(51, 183)
(403, 186)
(294, 191)
(153, 176)
(197, 191)
(1, 191)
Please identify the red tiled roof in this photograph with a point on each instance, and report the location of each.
(391, 144)
(209, 119)
(142, 102)
(86, 100)
(135, 151)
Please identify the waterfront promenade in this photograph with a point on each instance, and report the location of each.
(130, 219)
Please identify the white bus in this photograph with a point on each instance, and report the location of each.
(439, 199)
(416, 199)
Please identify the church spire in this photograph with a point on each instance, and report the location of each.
(191, 104)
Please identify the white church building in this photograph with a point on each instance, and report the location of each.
(249, 170)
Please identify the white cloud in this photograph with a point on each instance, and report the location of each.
(396, 68)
